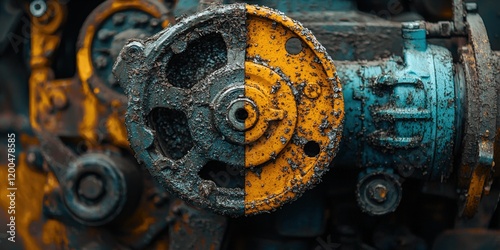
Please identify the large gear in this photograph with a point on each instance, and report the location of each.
(252, 89)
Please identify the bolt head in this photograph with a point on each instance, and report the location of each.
(38, 8)
(378, 193)
(91, 187)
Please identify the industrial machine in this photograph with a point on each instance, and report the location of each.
(157, 124)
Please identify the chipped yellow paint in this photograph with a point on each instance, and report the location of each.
(89, 122)
(116, 129)
(84, 57)
(310, 71)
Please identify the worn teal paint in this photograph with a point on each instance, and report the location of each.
(401, 112)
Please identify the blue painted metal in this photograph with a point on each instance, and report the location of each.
(402, 111)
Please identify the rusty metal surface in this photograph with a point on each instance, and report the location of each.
(479, 135)
(281, 109)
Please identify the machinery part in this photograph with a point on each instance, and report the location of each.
(98, 188)
(195, 228)
(378, 192)
(477, 161)
(38, 8)
(225, 85)
(45, 38)
(105, 32)
(402, 110)
(434, 10)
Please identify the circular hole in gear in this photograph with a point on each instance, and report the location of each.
(293, 46)
(241, 114)
(200, 58)
(312, 149)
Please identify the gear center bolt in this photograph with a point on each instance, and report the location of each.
(255, 113)
(242, 114)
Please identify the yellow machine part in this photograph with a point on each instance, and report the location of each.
(115, 121)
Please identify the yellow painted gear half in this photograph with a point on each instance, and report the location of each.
(292, 80)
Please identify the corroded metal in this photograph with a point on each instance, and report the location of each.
(402, 110)
(247, 102)
(103, 35)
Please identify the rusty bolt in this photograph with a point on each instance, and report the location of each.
(101, 62)
(378, 193)
(91, 187)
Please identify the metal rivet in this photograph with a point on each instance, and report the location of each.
(411, 25)
(471, 7)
